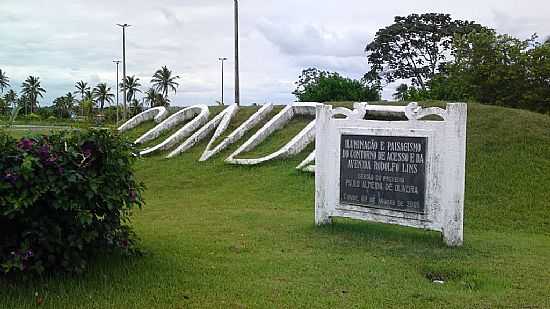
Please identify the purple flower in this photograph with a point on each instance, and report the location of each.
(133, 195)
(87, 153)
(25, 144)
(88, 149)
(51, 160)
(44, 152)
(60, 170)
(29, 254)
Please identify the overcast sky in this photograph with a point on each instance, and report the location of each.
(64, 41)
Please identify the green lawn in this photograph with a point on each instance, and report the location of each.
(223, 236)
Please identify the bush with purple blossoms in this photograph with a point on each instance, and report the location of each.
(65, 198)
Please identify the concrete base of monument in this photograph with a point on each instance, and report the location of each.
(221, 121)
(235, 135)
(198, 114)
(158, 114)
(295, 146)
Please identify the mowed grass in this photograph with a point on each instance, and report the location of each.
(223, 236)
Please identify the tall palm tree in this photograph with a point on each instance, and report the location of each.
(32, 90)
(4, 81)
(131, 83)
(154, 98)
(103, 94)
(163, 81)
(10, 97)
(81, 88)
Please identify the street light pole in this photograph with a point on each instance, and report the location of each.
(117, 63)
(222, 61)
(237, 90)
(124, 26)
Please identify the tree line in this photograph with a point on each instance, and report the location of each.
(90, 102)
(435, 57)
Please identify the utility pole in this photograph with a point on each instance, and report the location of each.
(117, 63)
(124, 26)
(237, 90)
(222, 60)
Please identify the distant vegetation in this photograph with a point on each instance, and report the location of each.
(323, 86)
(85, 102)
(456, 60)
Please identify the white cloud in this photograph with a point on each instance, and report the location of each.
(64, 41)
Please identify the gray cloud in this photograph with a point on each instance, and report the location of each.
(64, 41)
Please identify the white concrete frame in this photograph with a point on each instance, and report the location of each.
(221, 121)
(158, 114)
(235, 135)
(445, 167)
(198, 114)
(293, 147)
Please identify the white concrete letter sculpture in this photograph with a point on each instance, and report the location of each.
(295, 146)
(198, 114)
(158, 114)
(409, 173)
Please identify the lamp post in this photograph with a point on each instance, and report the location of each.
(237, 90)
(117, 63)
(222, 61)
(124, 26)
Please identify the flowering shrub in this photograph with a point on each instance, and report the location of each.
(63, 198)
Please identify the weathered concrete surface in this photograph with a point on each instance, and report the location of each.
(221, 121)
(445, 168)
(380, 110)
(172, 121)
(295, 146)
(235, 135)
(158, 114)
(200, 114)
(307, 165)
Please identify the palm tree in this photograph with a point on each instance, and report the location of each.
(64, 105)
(10, 97)
(32, 90)
(154, 98)
(4, 81)
(103, 94)
(163, 81)
(81, 88)
(131, 83)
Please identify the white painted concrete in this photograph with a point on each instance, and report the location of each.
(235, 135)
(295, 146)
(221, 121)
(198, 114)
(445, 168)
(158, 114)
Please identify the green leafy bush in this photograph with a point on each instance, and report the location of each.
(64, 198)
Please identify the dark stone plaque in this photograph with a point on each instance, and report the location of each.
(386, 172)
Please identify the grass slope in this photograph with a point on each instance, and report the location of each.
(223, 236)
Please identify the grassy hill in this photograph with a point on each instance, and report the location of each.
(224, 236)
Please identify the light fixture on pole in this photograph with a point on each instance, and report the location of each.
(222, 61)
(124, 26)
(237, 90)
(117, 63)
